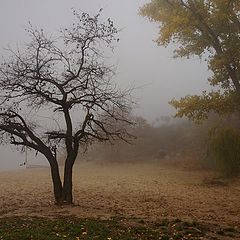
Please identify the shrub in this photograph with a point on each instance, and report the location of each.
(224, 146)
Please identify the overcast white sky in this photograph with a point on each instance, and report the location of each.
(139, 61)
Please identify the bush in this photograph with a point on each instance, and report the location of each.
(224, 146)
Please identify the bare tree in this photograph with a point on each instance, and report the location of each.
(67, 78)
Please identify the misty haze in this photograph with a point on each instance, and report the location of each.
(120, 119)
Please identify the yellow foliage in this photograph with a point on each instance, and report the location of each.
(201, 26)
(196, 108)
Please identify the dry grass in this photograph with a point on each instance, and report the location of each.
(147, 191)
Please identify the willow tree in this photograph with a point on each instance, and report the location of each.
(208, 29)
(67, 80)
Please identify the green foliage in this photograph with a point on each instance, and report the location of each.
(209, 29)
(224, 144)
(70, 228)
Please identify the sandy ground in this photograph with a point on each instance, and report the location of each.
(148, 191)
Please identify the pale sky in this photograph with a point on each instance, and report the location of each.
(139, 61)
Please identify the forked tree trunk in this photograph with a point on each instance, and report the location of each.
(62, 192)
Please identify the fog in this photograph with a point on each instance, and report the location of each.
(151, 69)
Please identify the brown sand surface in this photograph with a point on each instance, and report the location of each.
(148, 191)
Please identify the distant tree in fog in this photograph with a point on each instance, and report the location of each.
(68, 79)
(209, 29)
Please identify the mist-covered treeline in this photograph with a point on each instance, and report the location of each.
(170, 141)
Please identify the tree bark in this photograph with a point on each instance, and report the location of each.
(57, 183)
(62, 191)
(67, 183)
